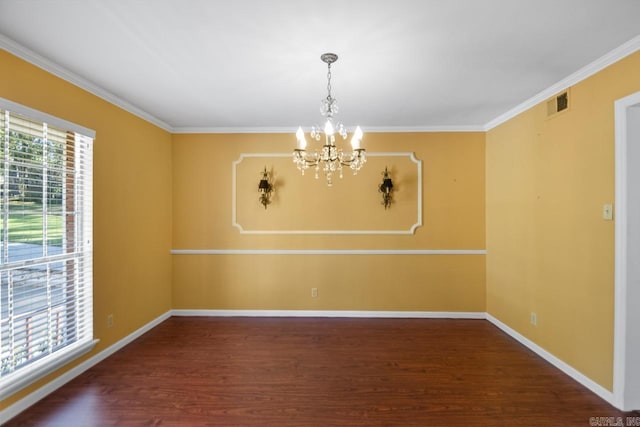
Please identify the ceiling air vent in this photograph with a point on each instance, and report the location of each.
(558, 103)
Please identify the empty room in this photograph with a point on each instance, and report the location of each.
(305, 213)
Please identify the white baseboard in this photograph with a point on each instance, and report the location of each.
(328, 251)
(34, 397)
(564, 367)
(24, 403)
(332, 313)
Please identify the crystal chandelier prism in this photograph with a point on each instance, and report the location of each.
(330, 159)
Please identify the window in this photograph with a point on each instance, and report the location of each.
(46, 315)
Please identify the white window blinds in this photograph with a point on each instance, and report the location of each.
(45, 247)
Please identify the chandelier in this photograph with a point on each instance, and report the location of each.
(330, 158)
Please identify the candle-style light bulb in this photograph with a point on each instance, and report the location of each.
(328, 128)
(302, 142)
(356, 138)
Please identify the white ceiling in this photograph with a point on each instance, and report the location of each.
(253, 65)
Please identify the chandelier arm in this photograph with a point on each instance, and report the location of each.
(300, 157)
(356, 156)
(311, 162)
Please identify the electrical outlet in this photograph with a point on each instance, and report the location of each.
(314, 292)
(534, 319)
(110, 321)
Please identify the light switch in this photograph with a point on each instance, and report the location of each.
(607, 212)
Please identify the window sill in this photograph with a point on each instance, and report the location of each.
(40, 369)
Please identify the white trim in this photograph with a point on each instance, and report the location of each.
(589, 70)
(620, 262)
(44, 367)
(23, 110)
(41, 62)
(621, 227)
(234, 130)
(24, 403)
(333, 313)
(31, 399)
(328, 252)
(234, 221)
(291, 129)
(564, 367)
(606, 60)
(412, 230)
(419, 129)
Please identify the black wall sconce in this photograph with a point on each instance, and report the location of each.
(265, 188)
(386, 188)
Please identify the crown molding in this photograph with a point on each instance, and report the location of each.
(40, 61)
(291, 129)
(408, 129)
(589, 70)
(599, 64)
(239, 129)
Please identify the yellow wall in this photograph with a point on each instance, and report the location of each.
(132, 201)
(548, 249)
(453, 217)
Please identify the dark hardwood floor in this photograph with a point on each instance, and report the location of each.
(321, 372)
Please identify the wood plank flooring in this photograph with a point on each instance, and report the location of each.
(321, 372)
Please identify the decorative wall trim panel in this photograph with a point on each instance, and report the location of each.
(245, 230)
(328, 252)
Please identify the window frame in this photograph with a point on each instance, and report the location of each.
(34, 371)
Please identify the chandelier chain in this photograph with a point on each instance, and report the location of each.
(329, 82)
